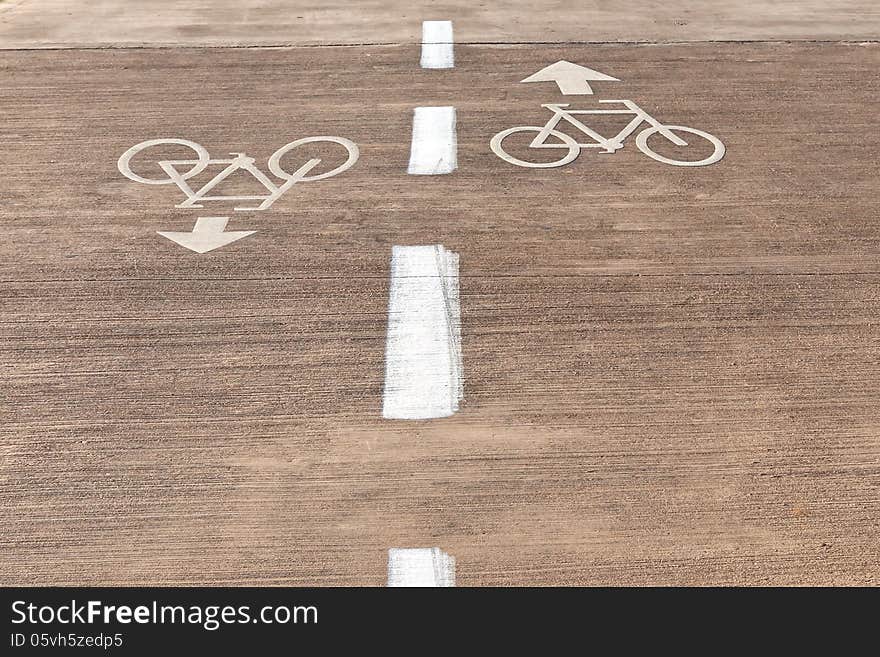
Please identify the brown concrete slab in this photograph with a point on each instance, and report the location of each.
(59, 23)
(671, 375)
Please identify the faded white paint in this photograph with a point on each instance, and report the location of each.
(434, 148)
(427, 567)
(437, 45)
(423, 367)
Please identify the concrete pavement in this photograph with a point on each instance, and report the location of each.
(670, 373)
(72, 23)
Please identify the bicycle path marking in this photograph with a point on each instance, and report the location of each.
(208, 233)
(572, 79)
(437, 45)
(423, 363)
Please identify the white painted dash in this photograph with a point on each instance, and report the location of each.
(434, 148)
(427, 567)
(437, 45)
(423, 368)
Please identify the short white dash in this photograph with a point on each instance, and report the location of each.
(423, 368)
(427, 567)
(437, 45)
(434, 148)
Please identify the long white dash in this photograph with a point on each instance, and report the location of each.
(434, 148)
(423, 365)
(437, 44)
(430, 567)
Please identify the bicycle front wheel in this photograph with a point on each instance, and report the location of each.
(573, 149)
(644, 135)
(350, 147)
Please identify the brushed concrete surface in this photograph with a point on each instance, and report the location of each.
(65, 23)
(671, 375)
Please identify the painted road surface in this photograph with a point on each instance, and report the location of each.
(669, 373)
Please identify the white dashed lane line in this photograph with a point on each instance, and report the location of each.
(423, 367)
(434, 148)
(426, 567)
(437, 45)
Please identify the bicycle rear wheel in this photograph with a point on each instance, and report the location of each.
(644, 135)
(573, 149)
(350, 146)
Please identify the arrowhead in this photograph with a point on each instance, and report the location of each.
(566, 70)
(207, 235)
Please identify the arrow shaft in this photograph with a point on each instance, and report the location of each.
(573, 86)
(210, 224)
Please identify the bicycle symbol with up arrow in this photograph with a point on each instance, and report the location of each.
(573, 79)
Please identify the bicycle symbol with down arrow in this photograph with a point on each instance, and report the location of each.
(208, 233)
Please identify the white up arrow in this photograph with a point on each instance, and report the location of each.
(571, 78)
(207, 235)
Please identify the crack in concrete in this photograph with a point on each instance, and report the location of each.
(389, 44)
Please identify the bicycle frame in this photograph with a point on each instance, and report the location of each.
(608, 145)
(240, 161)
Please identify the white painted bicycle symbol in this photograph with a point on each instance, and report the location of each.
(608, 145)
(240, 162)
